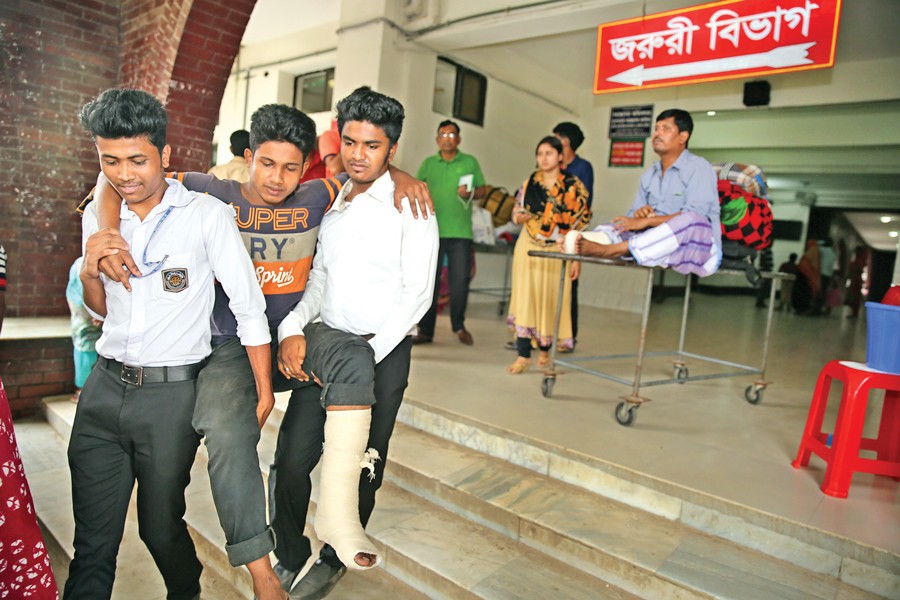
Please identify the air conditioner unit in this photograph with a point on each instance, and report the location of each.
(419, 14)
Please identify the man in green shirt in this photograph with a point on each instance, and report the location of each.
(454, 179)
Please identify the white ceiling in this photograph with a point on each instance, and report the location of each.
(551, 52)
(878, 234)
(276, 18)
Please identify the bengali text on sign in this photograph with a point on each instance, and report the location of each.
(722, 40)
(626, 153)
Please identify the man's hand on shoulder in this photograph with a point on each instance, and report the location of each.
(407, 186)
(119, 266)
(106, 251)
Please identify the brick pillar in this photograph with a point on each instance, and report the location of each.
(54, 59)
(150, 30)
(57, 55)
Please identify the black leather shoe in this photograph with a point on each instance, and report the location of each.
(318, 581)
(422, 339)
(285, 576)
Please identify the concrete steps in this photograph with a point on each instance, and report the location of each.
(470, 511)
(648, 536)
(43, 448)
(43, 452)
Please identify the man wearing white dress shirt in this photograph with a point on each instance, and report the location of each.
(134, 418)
(372, 280)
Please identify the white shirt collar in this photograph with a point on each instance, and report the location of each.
(175, 195)
(382, 189)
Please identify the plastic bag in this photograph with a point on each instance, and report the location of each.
(482, 227)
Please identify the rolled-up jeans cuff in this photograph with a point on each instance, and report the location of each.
(247, 551)
(348, 394)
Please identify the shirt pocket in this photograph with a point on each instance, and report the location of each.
(175, 279)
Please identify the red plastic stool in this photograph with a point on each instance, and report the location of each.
(842, 458)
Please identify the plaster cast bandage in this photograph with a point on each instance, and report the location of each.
(343, 457)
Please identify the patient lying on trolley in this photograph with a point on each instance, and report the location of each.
(674, 220)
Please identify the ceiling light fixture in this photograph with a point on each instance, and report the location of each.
(711, 113)
(886, 219)
(893, 234)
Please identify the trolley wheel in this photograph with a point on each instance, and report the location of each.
(626, 413)
(681, 373)
(547, 386)
(753, 394)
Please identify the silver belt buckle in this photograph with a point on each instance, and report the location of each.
(132, 375)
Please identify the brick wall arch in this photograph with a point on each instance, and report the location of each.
(182, 51)
(208, 45)
(57, 55)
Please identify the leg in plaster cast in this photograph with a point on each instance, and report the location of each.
(337, 513)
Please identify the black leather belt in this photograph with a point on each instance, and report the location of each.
(142, 375)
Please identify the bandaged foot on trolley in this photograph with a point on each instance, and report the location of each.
(573, 237)
(337, 513)
(685, 243)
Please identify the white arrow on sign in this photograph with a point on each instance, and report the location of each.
(786, 56)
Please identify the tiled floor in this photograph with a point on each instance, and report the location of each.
(701, 435)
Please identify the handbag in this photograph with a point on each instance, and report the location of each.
(499, 203)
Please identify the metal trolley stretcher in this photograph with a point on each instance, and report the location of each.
(626, 411)
(498, 292)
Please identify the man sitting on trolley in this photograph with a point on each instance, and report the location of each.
(674, 220)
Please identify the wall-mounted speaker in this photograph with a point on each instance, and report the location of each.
(756, 93)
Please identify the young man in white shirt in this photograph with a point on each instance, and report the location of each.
(133, 420)
(371, 282)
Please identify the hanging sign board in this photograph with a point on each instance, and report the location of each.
(630, 122)
(722, 40)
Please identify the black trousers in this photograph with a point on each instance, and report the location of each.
(299, 448)
(124, 433)
(459, 270)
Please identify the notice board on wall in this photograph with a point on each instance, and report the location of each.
(626, 153)
(630, 122)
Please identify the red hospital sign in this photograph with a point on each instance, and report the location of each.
(722, 40)
(626, 153)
